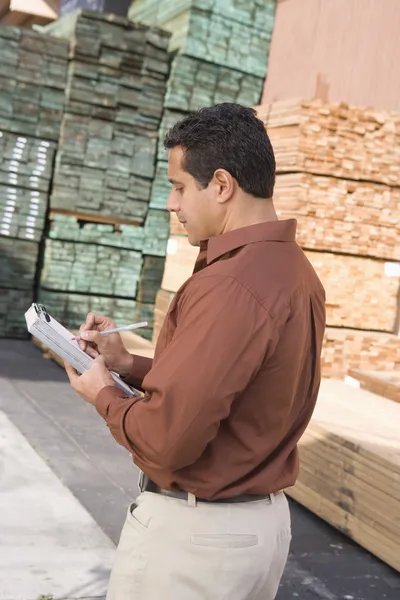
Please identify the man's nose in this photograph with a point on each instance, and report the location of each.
(172, 203)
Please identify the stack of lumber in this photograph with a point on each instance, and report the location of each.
(342, 215)
(33, 74)
(360, 293)
(334, 139)
(338, 174)
(116, 86)
(346, 349)
(223, 32)
(350, 467)
(71, 309)
(104, 241)
(25, 173)
(383, 383)
(194, 83)
(220, 53)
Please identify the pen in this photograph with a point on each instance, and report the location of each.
(117, 329)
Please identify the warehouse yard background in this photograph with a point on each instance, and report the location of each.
(86, 97)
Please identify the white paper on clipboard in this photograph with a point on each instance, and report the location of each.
(59, 339)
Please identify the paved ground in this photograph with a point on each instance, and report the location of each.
(73, 441)
(49, 542)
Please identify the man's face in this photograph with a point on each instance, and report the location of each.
(196, 208)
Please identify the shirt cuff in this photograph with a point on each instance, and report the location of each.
(105, 397)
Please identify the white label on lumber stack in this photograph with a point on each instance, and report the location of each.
(392, 269)
(172, 246)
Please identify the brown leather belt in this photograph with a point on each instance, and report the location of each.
(150, 486)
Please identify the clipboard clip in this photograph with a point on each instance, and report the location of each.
(42, 312)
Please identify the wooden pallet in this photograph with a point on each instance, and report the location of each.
(350, 467)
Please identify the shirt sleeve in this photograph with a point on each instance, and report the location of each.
(222, 339)
(140, 367)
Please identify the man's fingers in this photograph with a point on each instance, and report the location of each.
(72, 374)
(92, 352)
(90, 336)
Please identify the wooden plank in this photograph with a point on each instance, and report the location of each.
(350, 467)
(334, 139)
(346, 349)
(340, 215)
(230, 34)
(382, 383)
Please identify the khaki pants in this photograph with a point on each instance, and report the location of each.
(173, 549)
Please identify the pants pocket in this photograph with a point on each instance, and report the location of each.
(226, 540)
(137, 518)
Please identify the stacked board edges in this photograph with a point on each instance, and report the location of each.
(114, 102)
(224, 32)
(346, 349)
(382, 383)
(341, 215)
(334, 139)
(350, 467)
(360, 292)
(33, 77)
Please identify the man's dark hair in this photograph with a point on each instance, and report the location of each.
(226, 136)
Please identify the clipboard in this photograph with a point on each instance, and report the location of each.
(59, 339)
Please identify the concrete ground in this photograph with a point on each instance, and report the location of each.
(64, 489)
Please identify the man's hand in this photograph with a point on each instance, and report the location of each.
(111, 347)
(92, 382)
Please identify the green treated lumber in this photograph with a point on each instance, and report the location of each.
(144, 312)
(18, 260)
(71, 309)
(231, 34)
(249, 12)
(33, 78)
(156, 233)
(13, 305)
(69, 228)
(195, 83)
(22, 212)
(90, 268)
(161, 187)
(150, 279)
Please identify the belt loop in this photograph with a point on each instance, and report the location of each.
(192, 501)
(143, 481)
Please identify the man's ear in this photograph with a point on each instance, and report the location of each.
(225, 185)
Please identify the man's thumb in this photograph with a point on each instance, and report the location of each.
(99, 360)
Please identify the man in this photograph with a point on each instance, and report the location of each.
(233, 383)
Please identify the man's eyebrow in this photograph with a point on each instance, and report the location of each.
(173, 181)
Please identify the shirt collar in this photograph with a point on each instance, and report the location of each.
(269, 231)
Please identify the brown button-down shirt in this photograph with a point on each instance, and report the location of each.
(236, 370)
